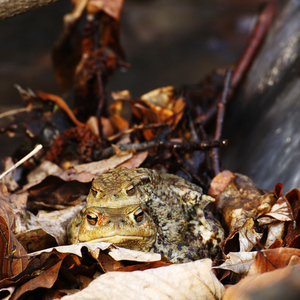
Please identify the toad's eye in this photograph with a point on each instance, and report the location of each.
(92, 218)
(139, 215)
(130, 190)
(94, 192)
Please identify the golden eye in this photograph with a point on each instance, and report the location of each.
(139, 215)
(92, 218)
(130, 190)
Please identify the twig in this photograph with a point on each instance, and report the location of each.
(214, 153)
(205, 145)
(14, 112)
(21, 161)
(222, 103)
(258, 34)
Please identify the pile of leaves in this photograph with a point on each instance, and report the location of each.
(172, 130)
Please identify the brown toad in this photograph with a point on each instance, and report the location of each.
(142, 210)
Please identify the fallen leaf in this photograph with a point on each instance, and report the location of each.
(193, 280)
(281, 211)
(46, 229)
(238, 262)
(12, 253)
(249, 212)
(58, 191)
(272, 259)
(278, 284)
(292, 238)
(137, 159)
(117, 253)
(104, 165)
(45, 169)
(275, 233)
(248, 235)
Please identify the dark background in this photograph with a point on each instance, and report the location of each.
(166, 42)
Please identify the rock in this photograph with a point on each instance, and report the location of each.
(263, 123)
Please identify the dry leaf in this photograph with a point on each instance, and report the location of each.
(117, 253)
(193, 280)
(64, 266)
(137, 159)
(246, 210)
(272, 259)
(238, 262)
(47, 229)
(275, 233)
(12, 253)
(280, 211)
(45, 169)
(278, 284)
(102, 166)
(248, 235)
(292, 238)
(58, 191)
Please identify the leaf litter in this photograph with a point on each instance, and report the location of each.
(167, 129)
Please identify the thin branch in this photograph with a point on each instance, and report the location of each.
(258, 34)
(21, 161)
(14, 112)
(160, 143)
(214, 153)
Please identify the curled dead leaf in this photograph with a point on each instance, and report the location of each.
(238, 262)
(271, 259)
(250, 212)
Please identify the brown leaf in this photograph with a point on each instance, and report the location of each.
(241, 199)
(61, 104)
(45, 279)
(247, 210)
(292, 238)
(280, 211)
(278, 284)
(219, 183)
(107, 127)
(119, 122)
(145, 266)
(272, 259)
(43, 271)
(12, 253)
(102, 166)
(155, 107)
(59, 190)
(135, 161)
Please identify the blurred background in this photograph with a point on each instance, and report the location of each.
(167, 42)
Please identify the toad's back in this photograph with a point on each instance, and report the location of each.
(142, 210)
